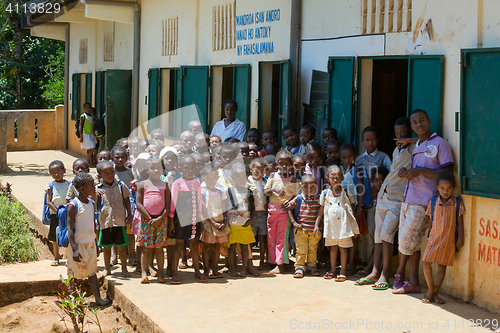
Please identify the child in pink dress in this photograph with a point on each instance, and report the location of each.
(153, 201)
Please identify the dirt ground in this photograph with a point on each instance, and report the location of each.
(42, 315)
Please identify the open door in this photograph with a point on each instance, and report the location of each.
(425, 88)
(340, 96)
(284, 116)
(153, 98)
(192, 88)
(75, 97)
(241, 91)
(100, 97)
(119, 105)
(88, 88)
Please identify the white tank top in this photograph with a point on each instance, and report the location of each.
(84, 223)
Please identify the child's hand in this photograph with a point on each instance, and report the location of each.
(359, 211)
(357, 235)
(412, 173)
(100, 192)
(247, 223)
(316, 230)
(297, 225)
(287, 205)
(459, 243)
(402, 173)
(76, 256)
(220, 226)
(279, 191)
(81, 138)
(128, 219)
(171, 226)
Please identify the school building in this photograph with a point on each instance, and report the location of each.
(345, 64)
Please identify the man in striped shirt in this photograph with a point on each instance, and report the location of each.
(305, 239)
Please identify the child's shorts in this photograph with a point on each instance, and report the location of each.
(259, 223)
(344, 243)
(411, 228)
(54, 223)
(113, 236)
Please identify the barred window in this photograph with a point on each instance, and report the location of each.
(380, 16)
(109, 45)
(224, 27)
(170, 36)
(84, 42)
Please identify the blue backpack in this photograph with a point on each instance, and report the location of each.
(46, 208)
(433, 206)
(367, 199)
(62, 228)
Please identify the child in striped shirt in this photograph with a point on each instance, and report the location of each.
(306, 238)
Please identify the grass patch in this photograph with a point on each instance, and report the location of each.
(16, 241)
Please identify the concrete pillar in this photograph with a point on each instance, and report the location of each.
(59, 126)
(3, 143)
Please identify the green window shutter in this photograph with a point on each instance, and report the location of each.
(88, 88)
(480, 111)
(241, 91)
(75, 97)
(119, 105)
(284, 116)
(192, 89)
(153, 76)
(425, 88)
(99, 94)
(340, 96)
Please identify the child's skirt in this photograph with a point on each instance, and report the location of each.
(278, 234)
(87, 265)
(88, 141)
(152, 237)
(241, 235)
(211, 235)
(136, 221)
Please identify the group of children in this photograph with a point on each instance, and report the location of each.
(222, 198)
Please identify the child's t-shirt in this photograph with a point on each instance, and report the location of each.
(59, 193)
(113, 211)
(84, 223)
(88, 124)
(308, 211)
(72, 193)
(373, 160)
(348, 183)
(434, 153)
(291, 189)
(125, 176)
(257, 187)
(394, 186)
(320, 176)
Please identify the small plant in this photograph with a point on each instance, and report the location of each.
(16, 241)
(72, 301)
(6, 190)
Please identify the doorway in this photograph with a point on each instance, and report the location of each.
(222, 90)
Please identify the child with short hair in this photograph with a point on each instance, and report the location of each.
(187, 142)
(82, 252)
(79, 166)
(201, 142)
(152, 202)
(153, 150)
(329, 134)
(170, 161)
(299, 165)
(215, 227)
(214, 141)
(253, 150)
(242, 149)
(332, 151)
(257, 183)
(157, 134)
(446, 235)
(194, 127)
(314, 156)
(306, 238)
(86, 130)
(55, 195)
(104, 155)
(431, 155)
(134, 148)
(339, 222)
(272, 149)
(291, 138)
(186, 210)
(240, 215)
(271, 166)
(282, 187)
(268, 137)
(114, 214)
(143, 144)
(253, 136)
(307, 134)
(227, 155)
(372, 157)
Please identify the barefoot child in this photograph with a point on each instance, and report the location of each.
(306, 239)
(186, 210)
(339, 222)
(446, 234)
(114, 214)
(215, 227)
(282, 187)
(56, 193)
(153, 201)
(259, 224)
(240, 214)
(82, 252)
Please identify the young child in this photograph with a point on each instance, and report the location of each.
(256, 183)
(227, 155)
(242, 149)
(299, 165)
(79, 166)
(86, 129)
(55, 195)
(134, 148)
(114, 214)
(306, 135)
(271, 166)
(388, 208)
(253, 150)
(272, 149)
(194, 127)
(306, 239)
(329, 134)
(152, 202)
(313, 156)
(431, 155)
(291, 138)
(253, 136)
(104, 155)
(153, 150)
(186, 210)
(372, 157)
(158, 135)
(187, 142)
(200, 164)
(268, 138)
(332, 151)
(339, 222)
(446, 234)
(240, 214)
(215, 227)
(82, 252)
(214, 141)
(170, 160)
(143, 144)
(202, 141)
(282, 187)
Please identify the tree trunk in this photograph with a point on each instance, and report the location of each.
(18, 53)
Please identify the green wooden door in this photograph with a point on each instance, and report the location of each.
(100, 100)
(241, 91)
(480, 110)
(153, 98)
(88, 88)
(192, 89)
(425, 88)
(340, 96)
(284, 109)
(119, 105)
(75, 97)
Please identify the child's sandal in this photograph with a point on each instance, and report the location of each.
(299, 274)
(328, 275)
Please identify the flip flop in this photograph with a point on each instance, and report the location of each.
(366, 282)
(314, 272)
(299, 274)
(161, 280)
(385, 286)
(212, 276)
(340, 278)
(55, 263)
(397, 282)
(439, 300)
(201, 278)
(411, 290)
(426, 300)
(328, 276)
(145, 280)
(175, 280)
(183, 265)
